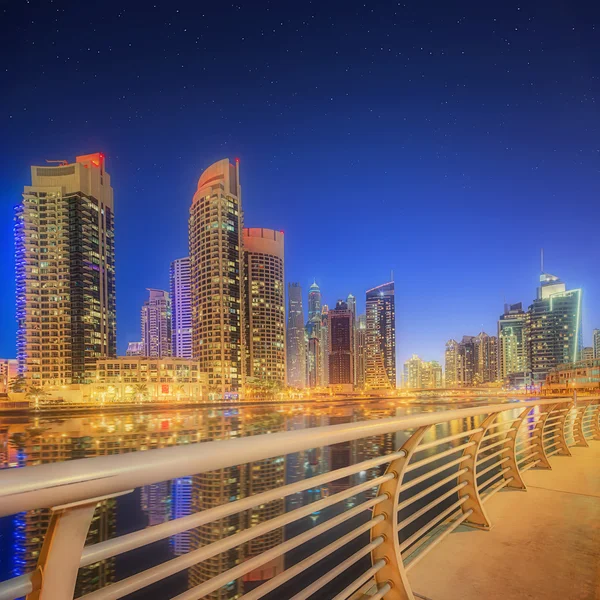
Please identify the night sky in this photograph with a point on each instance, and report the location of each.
(445, 143)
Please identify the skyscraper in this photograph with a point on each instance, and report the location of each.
(596, 343)
(351, 302)
(380, 366)
(412, 372)
(452, 367)
(361, 348)
(296, 346)
(553, 327)
(420, 374)
(215, 237)
(486, 358)
(264, 306)
(467, 361)
(314, 349)
(156, 324)
(512, 354)
(324, 345)
(341, 345)
(314, 301)
(181, 308)
(65, 272)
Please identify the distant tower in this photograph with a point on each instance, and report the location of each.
(156, 324)
(264, 315)
(216, 260)
(296, 346)
(314, 351)
(361, 347)
(380, 364)
(341, 345)
(181, 308)
(65, 274)
(324, 345)
(512, 355)
(596, 343)
(553, 327)
(452, 368)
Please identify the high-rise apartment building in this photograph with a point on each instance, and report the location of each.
(65, 272)
(341, 345)
(380, 365)
(553, 327)
(512, 352)
(452, 366)
(181, 308)
(315, 352)
(296, 346)
(361, 348)
(420, 374)
(156, 324)
(467, 361)
(486, 358)
(596, 343)
(216, 259)
(324, 345)
(412, 372)
(264, 305)
(432, 376)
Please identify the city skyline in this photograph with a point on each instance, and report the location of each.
(455, 144)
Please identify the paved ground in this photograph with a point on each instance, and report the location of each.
(544, 543)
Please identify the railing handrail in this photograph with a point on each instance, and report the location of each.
(44, 486)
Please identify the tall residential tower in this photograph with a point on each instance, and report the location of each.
(380, 365)
(156, 324)
(264, 315)
(65, 272)
(296, 345)
(181, 308)
(216, 260)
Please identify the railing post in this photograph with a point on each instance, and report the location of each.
(393, 572)
(562, 446)
(514, 473)
(596, 422)
(578, 426)
(538, 440)
(58, 564)
(478, 517)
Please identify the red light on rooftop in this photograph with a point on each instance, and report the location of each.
(237, 160)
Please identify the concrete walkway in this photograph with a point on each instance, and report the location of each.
(544, 543)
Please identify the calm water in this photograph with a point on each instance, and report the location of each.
(29, 440)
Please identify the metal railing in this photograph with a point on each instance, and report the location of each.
(430, 486)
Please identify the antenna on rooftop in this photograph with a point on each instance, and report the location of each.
(62, 163)
(542, 259)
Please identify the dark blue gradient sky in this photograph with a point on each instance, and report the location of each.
(448, 143)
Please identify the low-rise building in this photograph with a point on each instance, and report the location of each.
(8, 371)
(583, 376)
(142, 379)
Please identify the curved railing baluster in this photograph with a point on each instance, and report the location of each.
(478, 517)
(389, 550)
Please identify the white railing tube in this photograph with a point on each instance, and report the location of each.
(72, 481)
(175, 565)
(313, 559)
(215, 583)
(130, 541)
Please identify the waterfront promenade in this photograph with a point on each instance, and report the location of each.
(544, 543)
